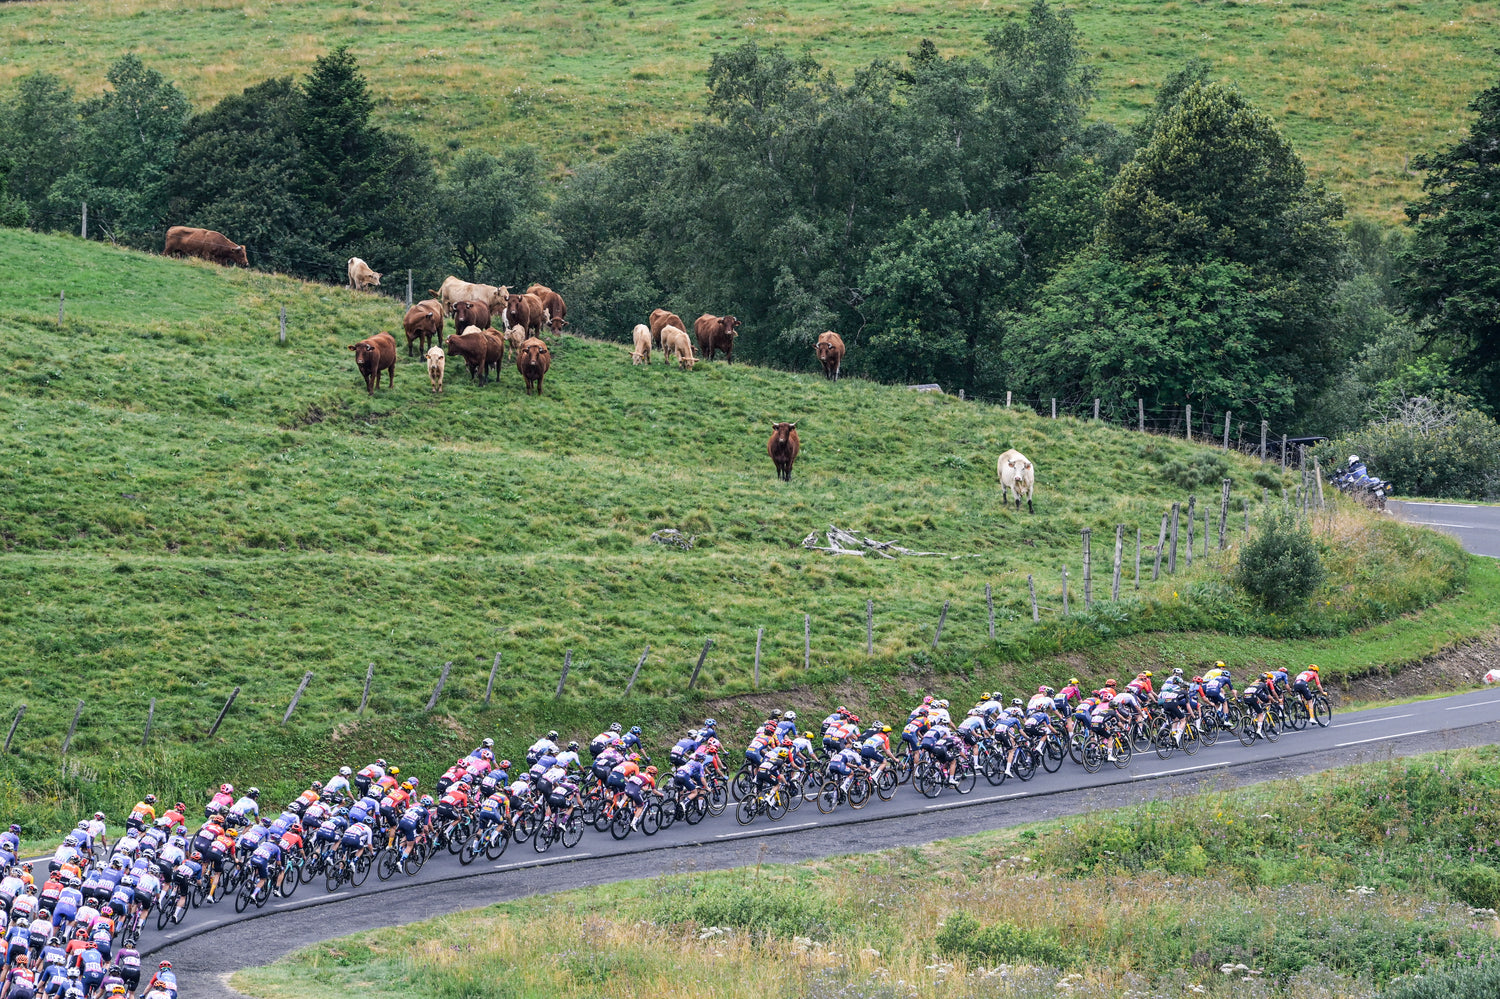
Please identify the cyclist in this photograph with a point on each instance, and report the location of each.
(1069, 695)
(990, 705)
(913, 731)
(369, 775)
(184, 876)
(366, 809)
(1218, 687)
(638, 785)
(1128, 706)
(452, 775)
(357, 839)
(547, 745)
(165, 979)
(1042, 700)
(392, 806)
(756, 751)
(631, 741)
(338, 785)
(1257, 697)
(67, 853)
(973, 731)
(219, 804)
(65, 910)
(143, 814)
(291, 844)
(454, 801)
(1008, 726)
(569, 759)
(838, 715)
(685, 747)
(1141, 687)
(787, 725)
(247, 809)
(220, 850)
(484, 751)
(1102, 722)
(1174, 701)
(876, 749)
(1038, 722)
(265, 860)
(609, 737)
(10, 844)
(415, 820)
(607, 761)
(691, 778)
(307, 798)
(90, 967)
(389, 782)
(20, 980)
(1304, 684)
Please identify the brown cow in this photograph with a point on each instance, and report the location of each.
(716, 333)
(524, 310)
(453, 290)
(186, 241)
(424, 324)
(466, 314)
(533, 360)
(831, 353)
(783, 447)
(554, 308)
(472, 346)
(374, 355)
(660, 320)
(494, 354)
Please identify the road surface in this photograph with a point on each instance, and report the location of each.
(214, 941)
(1477, 528)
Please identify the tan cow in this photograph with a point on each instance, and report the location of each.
(641, 335)
(675, 343)
(435, 365)
(361, 276)
(515, 336)
(660, 319)
(1018, 475)
(453, 290)
(831, 354)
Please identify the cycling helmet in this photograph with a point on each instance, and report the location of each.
(635, 730)
(885, 728)
(380, 763)
(406, 785)
(790, 716)
(943, 703)
(426, 801)
(573, 746)
(1111, 683)
(83, 824)
(552, 734)
(415, 783)
(807, 735)
(1044, 689)
(650, 771)
(985, 696)
(393, 771)
(700, 754)
(71, 840)
(925, 700)
(1265, 676)
(164, 966)
(97, 815)
(505, 764)
(197, 855)
(841, 710)
(343, 811)
(150, 799)
(713, 745)
(1015, 702)
(177, 841)
(1073, 680)
(253, 793)
(317, 785)
(1197, 679)
(614, 726)
(488, 743)
(1177, 671)
(973, 712)
(345, 772)
(232, 833)
(116, 862)
(1219, 664)
(1312, 668)
(709, 723)
(1354, 459)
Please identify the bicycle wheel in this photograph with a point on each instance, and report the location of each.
(241, 903)
(994, 769)
(794, 791)
(743, 785)
(885, 786)
(1297, 715)
(828, 796)
(1165, 744)
(1271, 730)
(1075, 743)
(262, 895)
(1190, 741)
(527, 824)
(334, 876)
(572, 831)
(1025, 765)
(966, 779)
(1322, 710)
(1140, 736)
(777, 803)
(496, 841)
(472, 848)
(1123, 752)
(619, 826)
(651, 819)
(1208, 728)
(360, 870)
(697, 808)
(744, 811)
(1246, 731)
(387, 864)
(718, 798)
(932, 780)
(905, 768)
(168, 906)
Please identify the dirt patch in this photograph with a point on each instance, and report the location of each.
(1459, 668)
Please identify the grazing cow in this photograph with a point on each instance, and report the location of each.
(453, 290)
(641, 335)
(554, 309)
(424, 325)
(186, 241)
(374, 355)
(361, 276)
(831, 353)
(783, 447)
(675, 343)
(467, 313)
(515, 336)
(660, 320)
(524, 310)
(716, 333)
(1018, 475)
(472, 346)
(532, 361)
(494, 354)
(435, 364)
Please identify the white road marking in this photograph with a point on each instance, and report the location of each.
(757, 832)
(1380, 738)
(1368, 721)
(1441, 523)
(1460, 707)
(1447, 506)
(540, 863)
(975, 801)
(1179, 770)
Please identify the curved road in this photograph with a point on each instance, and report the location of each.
(213, 941)
(1476, 527)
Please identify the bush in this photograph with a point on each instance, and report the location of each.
(1280, 565)
(1475, 981)
(1475, 884)
(1427, 448)
(1204, 468)
(962, 934)
(775, 908)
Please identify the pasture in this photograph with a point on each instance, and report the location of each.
(1359, 86)
(192, 506)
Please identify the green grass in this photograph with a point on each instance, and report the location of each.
(1331, 885)
(1359, 85)
(192, 507)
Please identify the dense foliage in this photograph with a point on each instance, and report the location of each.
(1428, 447)
(1280, 566)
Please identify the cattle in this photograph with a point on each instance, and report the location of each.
(1017, 475)
(494, 354)
(641, 336)
(675, 343)
(533, 360)
(554, 309)
(186, 241)
(435, 363)
(361, 276)
(472, 346)
(453, 290)
(374, 355)
(783, 447)
(831, 354)
(716, 333)
(424, 325)
(467, 313)
(660, 319)
(524, 310)
(515, 336)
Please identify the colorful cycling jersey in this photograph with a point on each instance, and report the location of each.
(251, 838)
(68, 900)
(290, 841)
(335, 786)
(363, 810)
(372, 773)
(1216, 674)
(640, 781)
(395, 801)
(848, 756)
(143, 813)
(1125, 699)
(333, 828)
(416, 813)
(691, 771)
(990, 708)
(542, 747)
(611, 758)
(1039, 702)
(568, 759)
(939, 716)
(246, 807)
(973, 726)
(265, 854)
(879, 741)
(457, 796)
(360, 833)
(66, 855)
(1308, 676)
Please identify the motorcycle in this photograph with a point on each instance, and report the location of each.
(1368, 489)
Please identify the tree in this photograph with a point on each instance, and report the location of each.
(12, 209)
(493, 209)
(1454, 284)
(39, 133)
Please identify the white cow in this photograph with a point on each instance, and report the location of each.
(1018, 475)
(435, 364)
(641, 336)
(361, 276)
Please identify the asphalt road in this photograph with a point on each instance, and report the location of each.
(213, 941)
(1476, 527)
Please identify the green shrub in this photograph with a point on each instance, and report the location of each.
(962, 934)
(1474, 981)
(1476, 884)
(764, 906)
(1428, 449)
(1203, 468)
(1280, 566)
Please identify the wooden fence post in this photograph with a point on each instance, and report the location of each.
(73, 726)
(443, 678)
(1245, 505)
(707, 644)
(1191, 516)
(989, 603)
(1264, 425)
(283, 324)
(1065, 589)
(1140, 412)
(939, 633)
(1096, 410)
(1114, 590)
(493, 666)
(62, 298)
(1088, 573)
(1318, 474)
(83, 226)
(1283, 453)
(1007, 398)
(806, 641)
(365, 697)
(1172, 549)
(1224, 514)
(408, 287)
(567, 665)
(1138, 558)
(870, 627)
(12, 733)
(1161, 542)
(759, 634)
(1054, 407)
(223, 711)
(1226, 429)
(647, 651)
(296, 697)
(1188, 423)
(1031, 585)
(1205, 530)
(150, 715)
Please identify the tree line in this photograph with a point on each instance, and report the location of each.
(960, 220)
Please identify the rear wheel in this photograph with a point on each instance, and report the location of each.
(387, 864)
(1322, 710)
(697, 809)
(828, 797)
(744, 811)
(743, 784)
(718, 798)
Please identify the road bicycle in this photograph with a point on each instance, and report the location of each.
(255, 891)
(490, 839)
(1114, 748)
(345, 868)
(555, 830)
(1321, 711)
(772, 802)
(856, 788)
(932, 777)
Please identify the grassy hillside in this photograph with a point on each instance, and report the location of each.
(192, 506)
(1359, 85)
(1145, 901)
